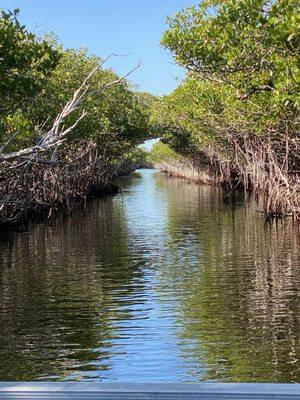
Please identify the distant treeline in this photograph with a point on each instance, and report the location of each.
(236, 115)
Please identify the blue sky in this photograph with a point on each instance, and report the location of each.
(132, 27)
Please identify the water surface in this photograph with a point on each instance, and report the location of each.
(162, 282)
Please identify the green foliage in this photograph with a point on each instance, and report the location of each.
(137, 157)
(147, 103)
(115, 120)
(18, 129)
(25, 65)
(39, 77)
(243, 78)
(161, 152)
(253, 42)
(26, 62)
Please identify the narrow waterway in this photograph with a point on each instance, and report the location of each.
(162, 282)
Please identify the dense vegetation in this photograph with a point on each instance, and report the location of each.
(60, 141)
(68, 125)
(237, 112)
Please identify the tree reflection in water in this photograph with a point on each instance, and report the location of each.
(161, 282)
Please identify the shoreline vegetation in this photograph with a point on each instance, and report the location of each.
(235, 118)
(270, 192)
(69, 125)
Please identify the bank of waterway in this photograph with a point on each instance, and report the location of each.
(162, 282)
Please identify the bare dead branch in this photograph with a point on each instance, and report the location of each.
(57, 135)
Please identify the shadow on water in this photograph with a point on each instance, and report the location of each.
(160, 282)
(239, 313)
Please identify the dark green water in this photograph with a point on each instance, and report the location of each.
(163, 282)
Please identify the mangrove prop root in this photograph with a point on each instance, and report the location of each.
(258, 166)
(46, 188)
